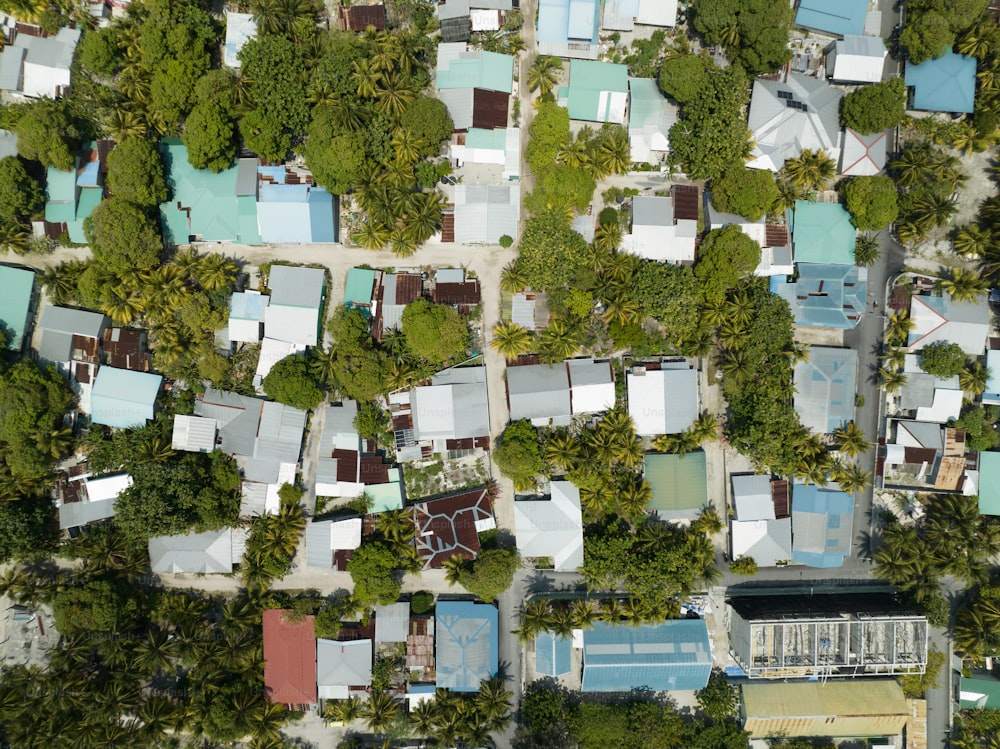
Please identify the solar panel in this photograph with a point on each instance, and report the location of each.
(792, 104)
(784, 94)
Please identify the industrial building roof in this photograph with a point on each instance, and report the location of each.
(467, 646)
(296, 214)
(825, 387)
(240, 28)
(552, 527)
(679, 484)
(211, 551)
(16, 287)
(823, 233)
(989, 483)
(193, 434)
(789, 115)
(821, 522)
(289, 658)
(844, 18)
(675, 655)
(662, 401)
(553, 654)
(826, 296)
(598, 91)
(943, 84)
(340, 665)
(123, 398)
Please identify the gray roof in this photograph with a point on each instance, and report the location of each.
(339, 420)
(584, 372)
(491, 4)
(193, 433)
(456, 411)
(459, 102)
(60, 324)
(484, 213)
(76, 514)
(767, 542)
(253, 501)
(279, 436)
(296, 287)
(917, 391)
(246, 177)
(347, 664)
(319, 553)
(193, 552)
(538, 391)
(652, 211)
(552, 527)
(928, 435)
(53, 51)
(460, 376)
(326, 470)
(11, 60)
(825, 387)
(392, 622)
(8, 140)
(867, 46)
(237, 417)
(453, 9)
(752, 497)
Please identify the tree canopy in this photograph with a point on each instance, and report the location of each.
(357, 368)
(273, 65)
(754, 32)
(747, 192)
(429, 121)
(48, 132)
(292, 382)
(518, 453)
(135, 173)
(725, 256)
(932, 26)
(550, 251)
(20, 194)
(875, 107)
(436, 332)
(490, 573)
(871, 201)
(33, 401)
(373, 569)
(942, 359)
(123, 237)
(27, 527)
(682, 77)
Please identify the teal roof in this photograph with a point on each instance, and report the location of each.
(679, 483)
(989, 483)
(478, 69)
(943, 84)
(359, 287)
(980, 691)
(645, 103)
(72, 195)
(492, 139)
(60, 192)
(89, 199)
(16, 285)
(823, 233)
(216, 213)
(592, 91)
(123, 398)
(386, 496)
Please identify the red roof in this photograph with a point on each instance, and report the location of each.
(289, 659)
(686, 202)
(446, 527)
(457, 293)
(489, 109)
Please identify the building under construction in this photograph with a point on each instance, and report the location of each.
(826, 636)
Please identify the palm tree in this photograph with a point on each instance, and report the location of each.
(973, 378)
(607, 237)
(544, 74)
(122, 124)
(345, 710)
(511, 340)
(971, 240)
(215, 271)
(454, 568)
(736, 366)
(933, 210)
(813, 471)
(423, 716)
(15, 237)
(614, 154)
(584, 613)
(396, 526)
(894, 358)
(851, 440)
(680, 443)
(892, 380)
(372, 235)
(899, 328)
(812, 170)
(852, 479)
(574, 154)
(406, 145)
(512, 279)
(379, 711)
(558, 341)
(562, 451)
(634, 498)
(535, 617)
(392, 98)
(365, 78)
(788, 194)
(866, 250)
(964, 285)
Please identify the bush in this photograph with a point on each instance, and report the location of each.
(371, 421)
(743, 566)
(871, 201)
(421, 602)
(506, 241)
(291, 382)
(942, 359)
(873, 108)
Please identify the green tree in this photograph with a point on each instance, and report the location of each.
(491, 573)
(209, 136)
(754, 32)
(550, 251)
(547, 135)
(979, 424)
(518, 454)
(122, 237)
(27, 528)
(743, 566)
(275, 69)
(747, 192)
(725, 256)
(429, 121)
(866, 250)
(357, 368)
(719, 700)
(95, 606)
(682, 77)
(371, 421)
(436, 332)
(942, 359)
(544, 74)
(20, 194)
(926, 35)
(48, 132)
(874, 108)
(373, 569)
(33, 401)
(871, 201)
(291, 382)
(337, 160)
(135, 173)
(98, 53)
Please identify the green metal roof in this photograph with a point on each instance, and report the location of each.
(386, 496)
(591, 88)
(679, 484)
(823, 233)
(989, 483)
(90, 198)
(358, 290)
(16, 285)
(60, 192)
(492, 139)
(488, 70)
(980, 690)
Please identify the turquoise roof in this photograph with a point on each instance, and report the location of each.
(989, 483)
(16, 285)
(89, 199)
(386, 496)
(943, 84)
(560, 21)
(60, 192)
(591, 88)
(823, 233)
(837, 17)
(204, 203)
(359, 287)
(646, 103)
(477, 69)
(492, 139)
(123, 398)
(72, 195)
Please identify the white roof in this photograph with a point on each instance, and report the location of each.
(622, 15)
(858, 59)
(775, 261)
(943, 319)
(244, 331)
(273, 351)
(657, 13)
(484, 213)
(553, 527)
(752, 497)
(345, 534)
(485, 20)
(656, 235)
(767, 541)
(291, 324)
(663, 401)
(947, 405)
(592, 388)
(286, 475)
(193, 433)
(107, 487)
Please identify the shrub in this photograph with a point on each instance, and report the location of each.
(421, 602)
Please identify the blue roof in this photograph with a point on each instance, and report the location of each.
(123, 398)
(466, 646)
(16, 287)
(822, 523)
(675, 655)
(89, 175)
(825, 388)
(552, 654)
(275, 173)
(943, 84)
(837, 17)
(243, 306)
(563, 20)
(828, 296)
(296, 214)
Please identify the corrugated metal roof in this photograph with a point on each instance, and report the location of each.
(752, 497)
(825, 387)
(598, 91)
(663, 401)
(246, 172)
(484, 213)
(538, 391)
(77, 514)
(781, 130)
(342, 664)
(553, 654)
(73, 321)
(293, 286)
(822, 524)
(11, 60)
(253, 500)
(825, 295)
(392, 622)
(279, 436)
(989, 483)
(459, 102)
(823, 233)
(289, 658)
(296, 214)
(679, 484)
(194, 434)
(490, 71)
(675, 655)
(944, 84)
(489, 108)
(552, 527)
(360, 286)
(466, 647)
(123, 398)
(211, 551)
(360, 17)
(846, 17)
(16, 288)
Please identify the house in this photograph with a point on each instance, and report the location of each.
(194, 434)
(456, 22)
(38, 67)
(544, 392)
(832, 709)
(359, 289)
(825, 387)
(240, 29)
(497, 147)
(207, 206)
(826, 296)
(941, 318)
(943, 84)
(857, 59)
(393, 292)
(453, 407)
(289, 659)
(476, 108)
(980, 691)
(71, 339)
(623, 15)
(449, 526)
(569, 28)
(330, 543)
(343, 668)
(775, 246)
(474, 85)
(673, 656)
(17, 287)
(827, 636)
(392, 623)
(553, 654)
(597, 92)
(930, 398)
(362, 17)
(823, 233)
(678, 483)
(530, 310)
(121, 398)
(467, 645)
(767, 542)
(95, 502)
(821, 526)
(844, 18)
(989, 483)
(921, 456)
(863, 155)
(789, 115)
(211, 551)
(72, 195)
(294, 312)
(246, 316)
(991, 396)
(650, 118)
(657, 234)
(662, 399)
(297, 214)
(551, 527)
(752, 497)
(452, 287)
(485, 213)
(125, 348)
